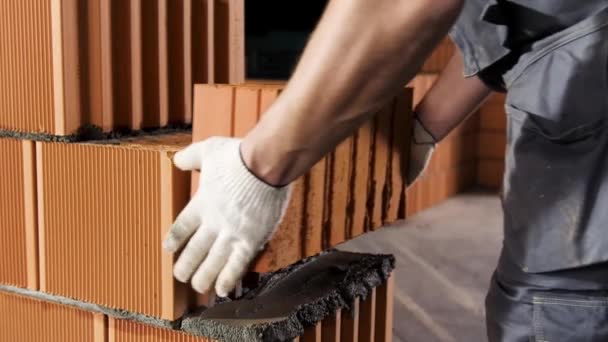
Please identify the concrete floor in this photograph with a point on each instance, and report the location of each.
(445, 257)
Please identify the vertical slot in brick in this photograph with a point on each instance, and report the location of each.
(385, 311)
(350, 323)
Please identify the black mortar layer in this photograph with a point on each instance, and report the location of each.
(292, 299)
(94, 133)
(278, 309)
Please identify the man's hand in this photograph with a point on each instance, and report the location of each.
(227, 221)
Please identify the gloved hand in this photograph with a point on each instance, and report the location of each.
(228, 220)
(421, 150)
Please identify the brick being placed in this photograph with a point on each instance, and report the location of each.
(28, 319)
(103, 209)
(18, 232)
(357, 187)
(112, 64)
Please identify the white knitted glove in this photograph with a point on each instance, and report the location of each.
(228, 220)
(421, 150)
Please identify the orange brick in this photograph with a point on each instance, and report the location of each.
(400, 146)
(129, 331)
(286, 246)
(470, 144)
(112, 64)
(312, 334)
(496, 99)
(26, 68)
(315, 201)
(213, 110)
(267, 97)
(201, 42)
(381, 163)
(426, 193)
(246, 110)
(451, 183)
(442, 185)
(115, 209)
(439, 58)
(26, 319)
(330, 327)
(229, 41)
(144, 53)
(18, 235)
(350, 322)
(339, 219)
(490, 173)
(213, 115)
(171, 43)
(363, 144)
(491, 121)
(412, 199)
(385, 297)
(491, 145)
(472, 123)
(367, 318)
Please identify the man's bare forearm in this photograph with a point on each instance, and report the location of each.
(360, 55)
(451, 99)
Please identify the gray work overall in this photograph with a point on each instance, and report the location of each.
(551, 56)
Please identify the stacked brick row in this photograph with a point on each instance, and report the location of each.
(113, 63)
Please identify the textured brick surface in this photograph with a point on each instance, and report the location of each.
(18, 233)
(229, 41)
(128, 331)
(25, 319)
(103, 210)
(110, 63)
(26, 66)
